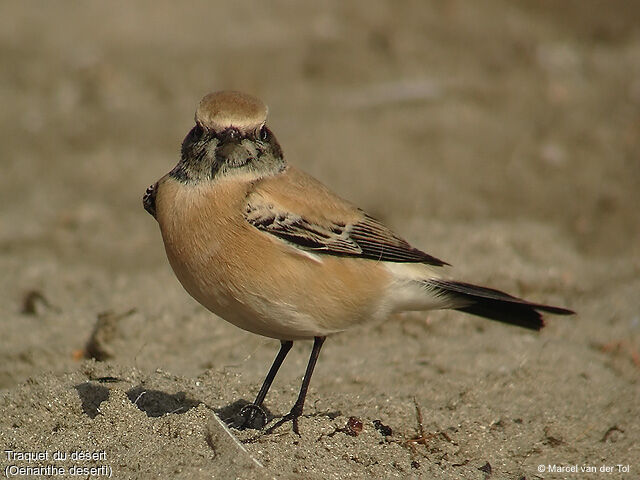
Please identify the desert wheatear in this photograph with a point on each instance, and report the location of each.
(273, 251)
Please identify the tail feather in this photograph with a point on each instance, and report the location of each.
(495, 304)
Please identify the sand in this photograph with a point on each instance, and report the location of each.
(503, 138)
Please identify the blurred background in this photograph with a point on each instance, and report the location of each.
(501, 137)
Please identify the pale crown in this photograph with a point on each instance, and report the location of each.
(219, 111)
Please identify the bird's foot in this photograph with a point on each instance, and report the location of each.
(250, 416)
(292, 416)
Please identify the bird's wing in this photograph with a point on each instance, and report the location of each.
(300, 210)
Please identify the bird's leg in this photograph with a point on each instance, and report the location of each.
(296, 411)
(252, 415)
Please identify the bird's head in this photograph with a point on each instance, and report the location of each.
(230, 138)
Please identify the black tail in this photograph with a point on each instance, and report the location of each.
(496, 305)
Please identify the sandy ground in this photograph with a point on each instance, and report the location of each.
(502, 138)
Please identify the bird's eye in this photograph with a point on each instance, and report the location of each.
(264, 133)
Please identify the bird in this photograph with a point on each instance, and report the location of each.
(274, 251)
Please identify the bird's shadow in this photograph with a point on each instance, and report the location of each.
(91, 395)
(154, 403)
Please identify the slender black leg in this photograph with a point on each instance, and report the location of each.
(249, 413)
(285, 346)
(296, 411)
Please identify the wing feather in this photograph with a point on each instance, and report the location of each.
(314, 229)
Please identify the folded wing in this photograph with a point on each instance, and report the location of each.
(308, 216)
